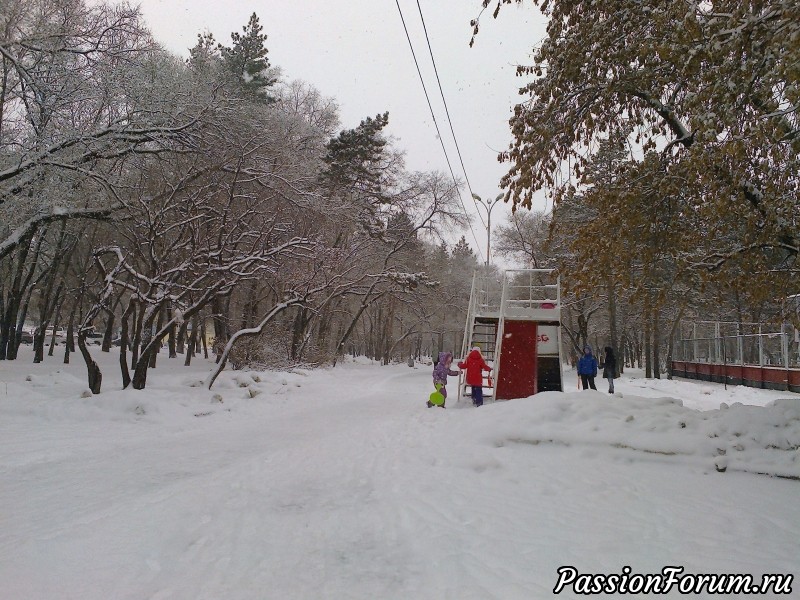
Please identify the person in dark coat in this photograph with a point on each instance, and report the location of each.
(587, 368)
(475, 365)
(610, 368)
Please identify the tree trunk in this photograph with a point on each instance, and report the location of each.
(220, 320)
(95, 376)
(349, 331)
(140, 370)
(157, 349)
(26, 291)
(148, 347)
(656, 343)
(39, 338)
(173, 331)
(298, 330)
(137, 334)
(387, 332)
(323, 327)
(189, 351)
(13, 349)
(156, 338)
(51, 303)
(123, 343)
(69, 344)
(249, 308)
(583, 333)
(612, 324)
(245, 333)
(180, 343)
(56, 324)
(108, 334)
(673, 330)
(648, 355)
(3, 340)
(192, 342)
(47, 306)
(8, 330)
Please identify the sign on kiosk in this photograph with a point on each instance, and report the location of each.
(547, 340)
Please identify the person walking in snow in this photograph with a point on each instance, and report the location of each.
(587, 368)
(475, 365)
(440, 372)
(610, 368)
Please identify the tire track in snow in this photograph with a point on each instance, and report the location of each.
(310, 496)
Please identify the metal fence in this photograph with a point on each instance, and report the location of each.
(752, 344)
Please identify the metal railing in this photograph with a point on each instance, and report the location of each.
(715, 343)
(516, 293)
(535, 293)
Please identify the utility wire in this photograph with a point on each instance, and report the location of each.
(447, 112)
(438, 132)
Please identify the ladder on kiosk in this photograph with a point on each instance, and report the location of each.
(514, 317)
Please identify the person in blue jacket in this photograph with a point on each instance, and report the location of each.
(587, 368)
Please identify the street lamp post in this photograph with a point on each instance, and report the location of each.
(488, 205)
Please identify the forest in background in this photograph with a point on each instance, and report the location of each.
(152, 202)
(667, 135)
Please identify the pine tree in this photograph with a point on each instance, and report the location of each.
(358, 166)
(401, 229)
(462, 249)
(401, 226)
(459, 282)
(440, 257)
(356, 161)
(204, 54)
(247, 60)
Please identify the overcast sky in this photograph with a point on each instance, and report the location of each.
(357, 52)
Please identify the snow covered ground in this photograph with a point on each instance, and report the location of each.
(339, 483)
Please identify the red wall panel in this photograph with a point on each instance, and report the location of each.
(517, 377)
(753, 376)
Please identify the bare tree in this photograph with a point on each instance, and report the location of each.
(79, 97)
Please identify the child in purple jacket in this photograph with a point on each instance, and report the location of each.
(441, 371)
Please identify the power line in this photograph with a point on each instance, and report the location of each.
(447, 111)
(438, 132)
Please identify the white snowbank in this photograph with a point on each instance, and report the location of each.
(751, 438)
(339, 483)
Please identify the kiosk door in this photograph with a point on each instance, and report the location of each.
(517, 377)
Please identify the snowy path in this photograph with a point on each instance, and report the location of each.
(341, 485)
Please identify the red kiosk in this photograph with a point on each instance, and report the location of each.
(516, 321)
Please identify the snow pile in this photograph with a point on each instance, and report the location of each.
(61, 395)
(339, 483)
(754, 439)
